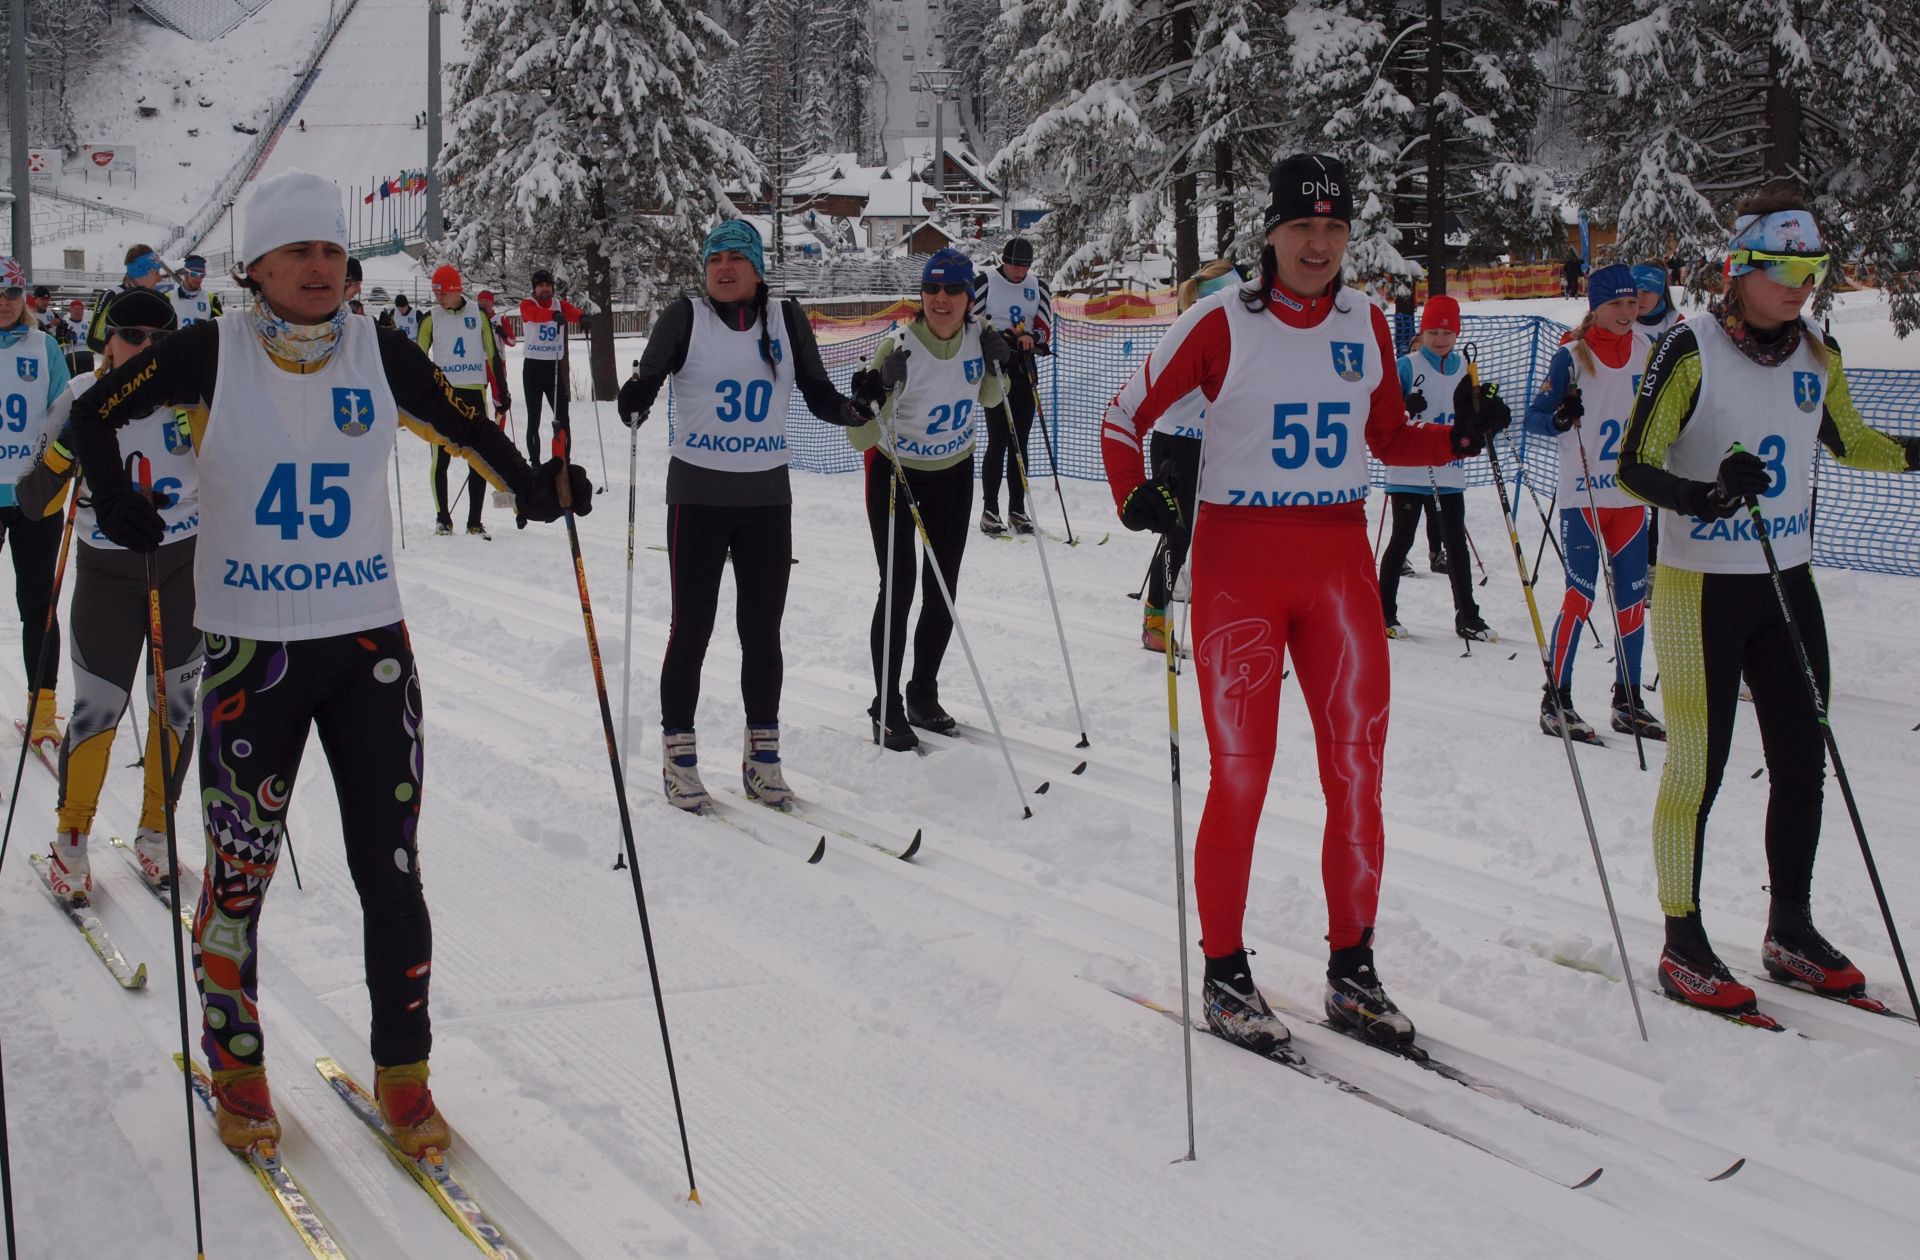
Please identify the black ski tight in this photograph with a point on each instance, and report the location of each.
(1000, 445)
(258, 703)
(539, 379)
(700, 539)
(476, 484)
(946, 505)
(36, 548)
(1407, 510)
(1176, 459)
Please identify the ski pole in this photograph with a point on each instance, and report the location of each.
(140, 762)
(1040, 544)
(6, 1170)
(885, 688)
(1566, 740)
(47, 638)
(156, 643)
(626, 646)
(619, 780)
(899, 478)
(598, 430)
(1380, 530)
(399, 502)
(1826, 733)
(1179, 848)
(1153, 562)
(1613, 598)
(1046, 435)
(1471, 547)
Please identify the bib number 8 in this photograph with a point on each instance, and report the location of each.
(279, 506)
(758, 397)
(1294, 443)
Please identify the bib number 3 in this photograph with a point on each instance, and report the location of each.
(1294, 443)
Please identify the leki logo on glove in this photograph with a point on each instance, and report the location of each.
(1806, 391)
(352, 410)
(1349, 360)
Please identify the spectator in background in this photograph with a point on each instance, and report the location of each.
(404, 318)
(543, 321)
(40, 302)
(1570, 275)
(191, 303)
(79, 358)
(354, 278)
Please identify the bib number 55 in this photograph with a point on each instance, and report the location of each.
(1294, 443)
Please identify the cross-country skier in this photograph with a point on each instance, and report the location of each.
(733, 355)
(501, 333)
(1173, 455)
(458, 336)
(937, 383)
(1657, 312)
(1297, 372)
(33, 374)
(1020, 303)
(295, 589)
(1584, 402)
(192, 304)
(109, 621)
(542, 323)
(405, 319)
(1432, 369)
(1755, 372)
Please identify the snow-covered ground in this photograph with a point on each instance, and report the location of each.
(883, 1060)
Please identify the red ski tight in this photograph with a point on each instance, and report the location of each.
(1269, 582)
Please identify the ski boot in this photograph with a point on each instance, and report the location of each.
(150, 850)
(1355, 1000)
(760, 767)
(1580, 731)
(991, 524)
(242, 1108)
(1235, 1009)
(1691, 973)
(1630, 716)
(1019, 522)
(1795, 953)
(1437, 561)
(897, 736)
(45, 729)
(477, 530)
(406, 1105)
(1397, 631)
(680, 771)
(1153, 630)
(1406, 569)
(443, 527)
(925, 711)
(68, 869)
(1473, 628)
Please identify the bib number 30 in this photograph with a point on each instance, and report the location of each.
(279, 506)
(1294, 443)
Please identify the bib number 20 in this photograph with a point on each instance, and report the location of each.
(330, 508)
(1294, 443)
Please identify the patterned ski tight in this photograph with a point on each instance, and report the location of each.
(259, 701)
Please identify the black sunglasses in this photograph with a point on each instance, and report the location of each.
(139, 336)
(956, 288)
(13, 293)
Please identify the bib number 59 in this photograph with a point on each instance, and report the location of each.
(279, 505)
(1294, 443)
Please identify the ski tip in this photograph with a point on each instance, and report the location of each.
(913, 846)
(1080, 769)
(1731, 1169)
(819, 851)
(1042, 789)
(139, 978)
(1514, 656)
(1587, 1180)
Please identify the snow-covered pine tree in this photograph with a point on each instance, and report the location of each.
(843, 55)
(1692, 105)
(1432, 104)
(578, 141)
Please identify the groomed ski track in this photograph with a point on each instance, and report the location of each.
(884, 1059)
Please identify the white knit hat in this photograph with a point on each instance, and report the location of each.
(292, 206)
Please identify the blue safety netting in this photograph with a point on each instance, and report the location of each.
(1868, 521)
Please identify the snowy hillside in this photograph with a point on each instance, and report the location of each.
(882, 1059)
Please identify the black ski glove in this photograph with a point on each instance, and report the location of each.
(1703, 499)
(1742, 473)
(1478, 414)
(852, 414)
(1151, 505)
(995, 348)
(1416, 403)
(866, 387)
(893, 369)
(1568, 413)
(129, 519)
(628, 404)
(541, 500)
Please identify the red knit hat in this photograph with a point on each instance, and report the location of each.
(446, 278)
(1441, 312)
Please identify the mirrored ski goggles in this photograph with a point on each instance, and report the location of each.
(13, 293)
(1792, 270)
(956, 288)
(138, 336)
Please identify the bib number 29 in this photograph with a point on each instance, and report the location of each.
(1294, 443)
(329, 507)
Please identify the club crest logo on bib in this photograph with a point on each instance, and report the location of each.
(472, 322)
(976, 368)
(352, 410)
(1637, 378)
(773, 348)
(1032, 295)
(1806, 391)
(29, 369)
(1349, 360)
(178, 432)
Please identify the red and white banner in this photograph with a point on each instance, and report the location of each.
(41, 161)
(109, 159)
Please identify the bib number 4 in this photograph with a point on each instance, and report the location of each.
(330, 508)
(1294, 443)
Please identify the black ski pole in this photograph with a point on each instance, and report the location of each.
(40, 665)
(6, 1169)
(1826, 733)
(158, 664)
(1152, 563)
(1046, 435)
(565, 487)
